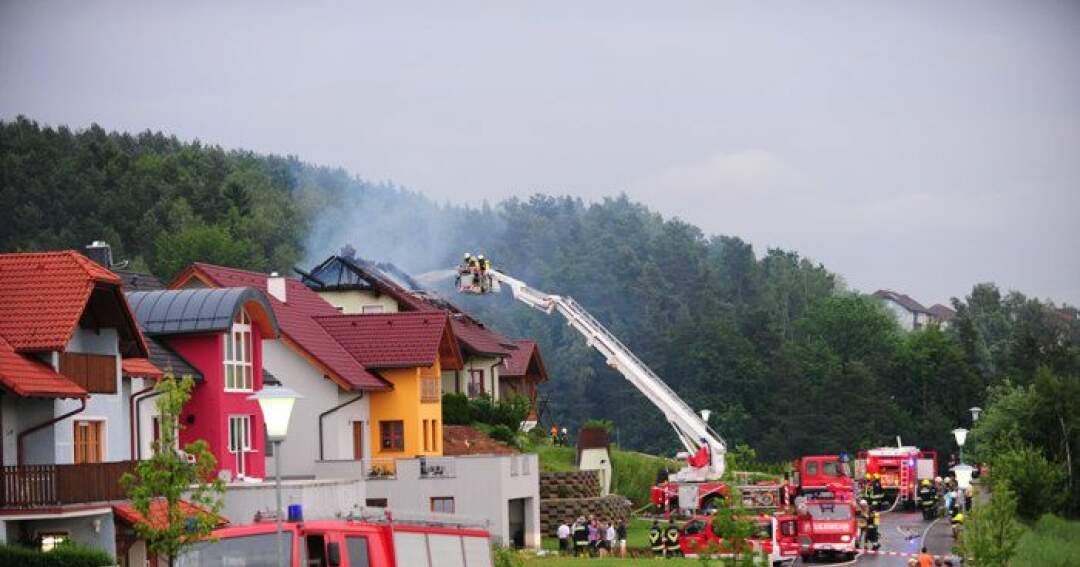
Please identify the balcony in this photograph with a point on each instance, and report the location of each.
(35, 486)
(380, 469)
(439, 467)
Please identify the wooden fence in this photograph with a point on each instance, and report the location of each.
(30, 486)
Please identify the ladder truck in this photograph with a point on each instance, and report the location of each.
(695, 486)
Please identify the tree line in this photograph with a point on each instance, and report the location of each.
(789, 360)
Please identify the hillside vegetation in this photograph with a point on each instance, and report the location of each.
(789, 360)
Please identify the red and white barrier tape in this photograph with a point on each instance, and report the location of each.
(900, 554)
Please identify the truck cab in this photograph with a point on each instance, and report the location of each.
(827, 526)
(342, 543)
(822, 473)
(776, 535)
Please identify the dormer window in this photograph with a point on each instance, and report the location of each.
(238, 370)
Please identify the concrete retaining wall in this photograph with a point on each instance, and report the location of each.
(554, 511)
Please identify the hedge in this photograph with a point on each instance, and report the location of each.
(67, 555)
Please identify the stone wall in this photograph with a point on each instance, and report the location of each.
(577, 484)
(609, 508)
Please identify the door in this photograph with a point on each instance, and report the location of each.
(516, 521)
(240, 442)
(89, 443)
(358, 440)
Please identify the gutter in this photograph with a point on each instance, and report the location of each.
(328, 412)
(19, 443)
(136, 447)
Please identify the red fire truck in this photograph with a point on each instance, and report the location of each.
(344, 543)
(822, 473)
(826, 526)
(775, 535)
(900, 468)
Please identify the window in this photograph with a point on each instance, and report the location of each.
(442, 504)
(435, 435)
(370, 309)
(375, 503)
(392, 435)
(429, 389)
(476, 383)
(357, 549)
(787, 528)
(238, 371)
(240, 440)
(427, 434)
(239, 550)
(89, 441)
(830, 468)
(50, 540)
(358, 440)
(811, 468)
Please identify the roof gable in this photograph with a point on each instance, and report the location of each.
(188, 311)
(45, 295)
(395, 340)
(900, 299)
(524, 361)
(295, 318)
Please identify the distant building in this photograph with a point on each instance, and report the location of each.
(909, 313)
(942, 315)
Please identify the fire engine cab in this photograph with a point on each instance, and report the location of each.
(774, 535)
(827, 526)
(343, 543)
(900, 468)
(822, 473)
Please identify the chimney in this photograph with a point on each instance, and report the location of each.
(100, 252)
(275, 286)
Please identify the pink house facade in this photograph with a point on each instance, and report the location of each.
(220, 333)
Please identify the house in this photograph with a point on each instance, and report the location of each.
(221, 333)
(909, 313)
(332, 422)
(941, 315)
(72, 361)
(522, 373)
(356, 286)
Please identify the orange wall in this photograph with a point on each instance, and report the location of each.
(403, 403)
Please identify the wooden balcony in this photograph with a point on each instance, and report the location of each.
(37, 486)
(94, 372)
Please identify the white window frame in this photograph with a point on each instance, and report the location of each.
(239, 366)
(245, 443)
(372, 309)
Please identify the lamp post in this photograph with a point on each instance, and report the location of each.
(961, 435)
(276, 404)
(975, 411)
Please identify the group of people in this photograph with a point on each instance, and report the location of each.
(559, 437)
(475, 272)
(592, 537)
(664, 540)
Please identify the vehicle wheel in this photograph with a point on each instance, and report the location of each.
(849, 556)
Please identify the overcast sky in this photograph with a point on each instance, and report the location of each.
(920, 146)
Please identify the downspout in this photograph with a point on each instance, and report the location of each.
(19, 443)
(328, 412)
(136, 446)
(494, 383)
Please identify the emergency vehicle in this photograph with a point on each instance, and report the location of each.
(827, 526)
(775, 535)
(822, 473)
(900, 468)
(344, 543)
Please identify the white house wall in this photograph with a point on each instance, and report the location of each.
(300, 450)
(353, 301)
(20, 414)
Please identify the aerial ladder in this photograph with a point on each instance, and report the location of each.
(692, 429)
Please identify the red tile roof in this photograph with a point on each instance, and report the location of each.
(295, 318)
(27, 377)
(517, 364)
(904, 301)
(477, 338)
(141, 368)
(394, 340)
(43, 296)
(159, 512)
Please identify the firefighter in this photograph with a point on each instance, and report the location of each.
(671, 540)
(957, 523)
(877, 492)
(862, 522)
(927, 499)
(656, 538)
(867, 484)
(873, 533)
(580, 535)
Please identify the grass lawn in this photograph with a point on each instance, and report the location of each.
(633, 474)
(1052, 542)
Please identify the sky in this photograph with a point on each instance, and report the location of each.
(917, 146)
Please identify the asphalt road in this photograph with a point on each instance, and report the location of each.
(902, 533)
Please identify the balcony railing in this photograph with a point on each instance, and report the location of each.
(31, 486)
(380, 469)
(437, 467)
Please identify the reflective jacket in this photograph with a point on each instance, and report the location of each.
(656, 538)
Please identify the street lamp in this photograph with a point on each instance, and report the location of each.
(961, 435)
(975, 411)
(276, 404)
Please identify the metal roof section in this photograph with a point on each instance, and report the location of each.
(187, 311)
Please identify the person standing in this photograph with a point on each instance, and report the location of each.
(873, 535)
(563, 532)
(656, 539)
(877, 493)
(862, 522)
(671, 540)
(925, 559)
(580, 534)
(620, 537)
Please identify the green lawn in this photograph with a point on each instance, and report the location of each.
(633, 474)
(1052, 542)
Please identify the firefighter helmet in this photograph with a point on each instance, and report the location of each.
(468, 255)
(877, 476)
(926, 482)
(869, 476)
(863, 502)
(937, 479)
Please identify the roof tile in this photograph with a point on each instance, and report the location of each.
(392, 340)
(27, 377)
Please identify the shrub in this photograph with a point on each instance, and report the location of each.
(503, 434)
(456, 409)
(1039, 483)
(509, 412)
(66, 555)
(604, 424)
(507, 557)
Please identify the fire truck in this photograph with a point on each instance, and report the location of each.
(775, 535)
(901, 469)
(826, 526)
(695, 486)
(822, 473)
(344, 543)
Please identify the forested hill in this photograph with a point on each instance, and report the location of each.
(787, 359)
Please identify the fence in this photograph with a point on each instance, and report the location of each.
(28, 486)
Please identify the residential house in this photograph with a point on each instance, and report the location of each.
(221, 333)
(909, 313)
(356, 286)
(522, 373)
(941, 315)
(332, 422)
(72, 361)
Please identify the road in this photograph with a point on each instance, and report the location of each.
(902, 533)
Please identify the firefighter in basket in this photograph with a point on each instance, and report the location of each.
(927, 499)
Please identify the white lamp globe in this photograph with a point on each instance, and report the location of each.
(276, 404)
(975, 411)
(963, 475)
(961, 435)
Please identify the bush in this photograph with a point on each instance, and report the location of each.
(456, 409)
(604, 424)
(1053, 542)
(503, 434)
(66, 555)
(507, 557)
(509, 412)
(1039, 484)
